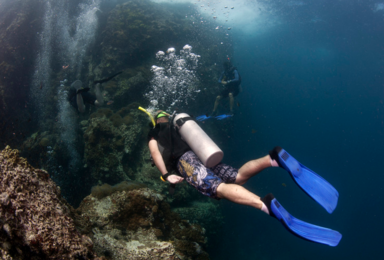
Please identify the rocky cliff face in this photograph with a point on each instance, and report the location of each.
(19, 22)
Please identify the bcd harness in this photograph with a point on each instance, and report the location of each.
(171, 147)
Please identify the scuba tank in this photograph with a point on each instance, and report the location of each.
(200, 143)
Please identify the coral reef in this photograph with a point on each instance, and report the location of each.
(105, 190)
(35, 146)
(35, 220)
(125, 221)
(206, 213)
(110, 139)
(138, 224)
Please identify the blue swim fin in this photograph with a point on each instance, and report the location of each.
(202, 118)
(300, 228)
(310, 182)
(223, 116)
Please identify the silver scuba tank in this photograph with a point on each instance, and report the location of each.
(201, 144)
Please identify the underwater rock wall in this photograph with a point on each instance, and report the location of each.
(35, 221)
(110, 140)
(135, 31)
(19, 21)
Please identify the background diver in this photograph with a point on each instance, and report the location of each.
(79, 97)
(177, 162)
(231, 80)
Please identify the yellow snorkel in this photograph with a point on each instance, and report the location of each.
(150, 116)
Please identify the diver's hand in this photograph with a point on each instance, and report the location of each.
(224, 82)
(174, 179)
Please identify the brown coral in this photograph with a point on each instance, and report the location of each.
(34, 217)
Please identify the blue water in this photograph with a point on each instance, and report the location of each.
(317, 90)
(313, 83)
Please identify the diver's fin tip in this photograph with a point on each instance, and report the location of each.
(311, 183)
(303, 229)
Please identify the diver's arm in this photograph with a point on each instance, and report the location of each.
(80, 103)
(156, 155)
(236, 79)
(99, 97)
(221, 77)
(159, 162)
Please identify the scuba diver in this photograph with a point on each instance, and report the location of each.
(79, 97)
(231, 80)
(181, 150)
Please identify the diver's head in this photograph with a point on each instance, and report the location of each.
(227, 65)
(161, 117)
(77, 84)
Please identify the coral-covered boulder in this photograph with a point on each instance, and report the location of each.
(138, 224)
(35, 221)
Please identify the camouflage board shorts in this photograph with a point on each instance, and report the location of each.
(205, 180)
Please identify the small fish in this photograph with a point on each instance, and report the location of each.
(254, 131)
(41, 85)
(232, 7)
(285, 185)
(110, 102)
(238, 104)
(65, 67)
(229, 28)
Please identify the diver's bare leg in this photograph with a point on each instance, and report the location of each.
(231, 101)
(239, 195)
(252, 168)
(99, 97)
(217, 101)
(80, 103)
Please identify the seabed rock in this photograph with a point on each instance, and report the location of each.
(139, 224)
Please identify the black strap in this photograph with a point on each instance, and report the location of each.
(181, 121)
(165, 176)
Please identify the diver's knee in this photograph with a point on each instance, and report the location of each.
(219, 191)
(218, 97)
(230, 95)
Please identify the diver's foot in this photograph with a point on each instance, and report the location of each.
(82, 90)
(267, 200)
(274, 154)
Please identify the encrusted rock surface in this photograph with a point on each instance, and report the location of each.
(110, 141)
(139, 224)
(35, 221)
